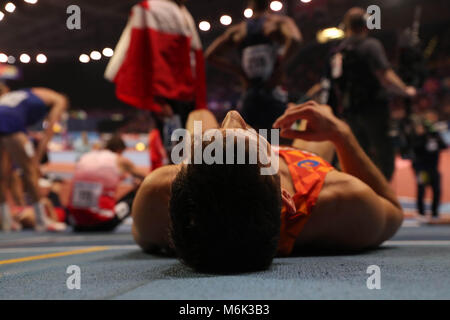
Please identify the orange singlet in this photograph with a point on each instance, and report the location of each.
(308, 172)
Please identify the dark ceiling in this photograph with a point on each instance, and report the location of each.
(41, 27)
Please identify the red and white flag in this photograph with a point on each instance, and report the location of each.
(158, 54)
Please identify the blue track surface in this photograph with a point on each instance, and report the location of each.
(414, 265)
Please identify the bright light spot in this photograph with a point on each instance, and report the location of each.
(204, 26)
(140, 146)
(41, 58)
(31, 1)
(2, 15)
(108, 52)
(226, 20)
(276, 5)
(10, 7)
(95, 55)
(57, 128)
(3, 58)
(305, 1)
(24, 58)
(11, 60)
(248, 13)
(328, 34)
(84, 58)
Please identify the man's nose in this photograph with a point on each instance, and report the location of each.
(233, 120)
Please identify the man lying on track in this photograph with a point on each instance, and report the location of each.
(231, 218)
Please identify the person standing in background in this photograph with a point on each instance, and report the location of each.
(266, 42)
(427, 146)
(158, 64)
(361, 76)
(82, 145)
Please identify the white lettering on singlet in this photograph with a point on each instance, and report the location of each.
(13, 99)
(259, 61)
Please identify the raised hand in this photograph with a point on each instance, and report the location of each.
(322, 125)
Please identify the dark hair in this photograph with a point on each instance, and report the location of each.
(355, 20)
(115, 144)
(260, 5)
(225, 218)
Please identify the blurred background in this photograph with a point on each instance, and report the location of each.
(34, 38)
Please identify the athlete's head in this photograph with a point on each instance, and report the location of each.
(225, 217)
(258, 5)
(116, 144)
(355, 21)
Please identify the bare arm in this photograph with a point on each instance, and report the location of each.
(292, 38)
(380, 195)
(129, 167)
(391, 81)
(58, 104)
(221, 46)
(287, 33)
(366, 186)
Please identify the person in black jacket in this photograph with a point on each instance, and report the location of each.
(427, 145)
(361, 78)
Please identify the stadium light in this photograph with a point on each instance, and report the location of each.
(248, 13)
(329, 34)
(276, 5)
(305, 1)
(95, 55)
(108, 52)
(24, 58)
(11, 60)
(10, 7)
(84, 58)
(204, 26)
(3, 58)
(41, 58)
(2, 15)
(31, 1)
(226, 20)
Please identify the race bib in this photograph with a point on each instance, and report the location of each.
(86, 195)
(258, 61)
(13, 99)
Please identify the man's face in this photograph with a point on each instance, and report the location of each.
(234, 121)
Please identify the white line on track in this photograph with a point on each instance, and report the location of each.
(417, 243)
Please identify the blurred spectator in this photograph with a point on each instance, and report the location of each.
(427, 145)
(81, 145)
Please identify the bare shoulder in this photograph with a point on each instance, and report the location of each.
(48, 95)
(159, 180)
(236, 33)
(339, 185)
(345, 217)
(151, 208)
(343, 193)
